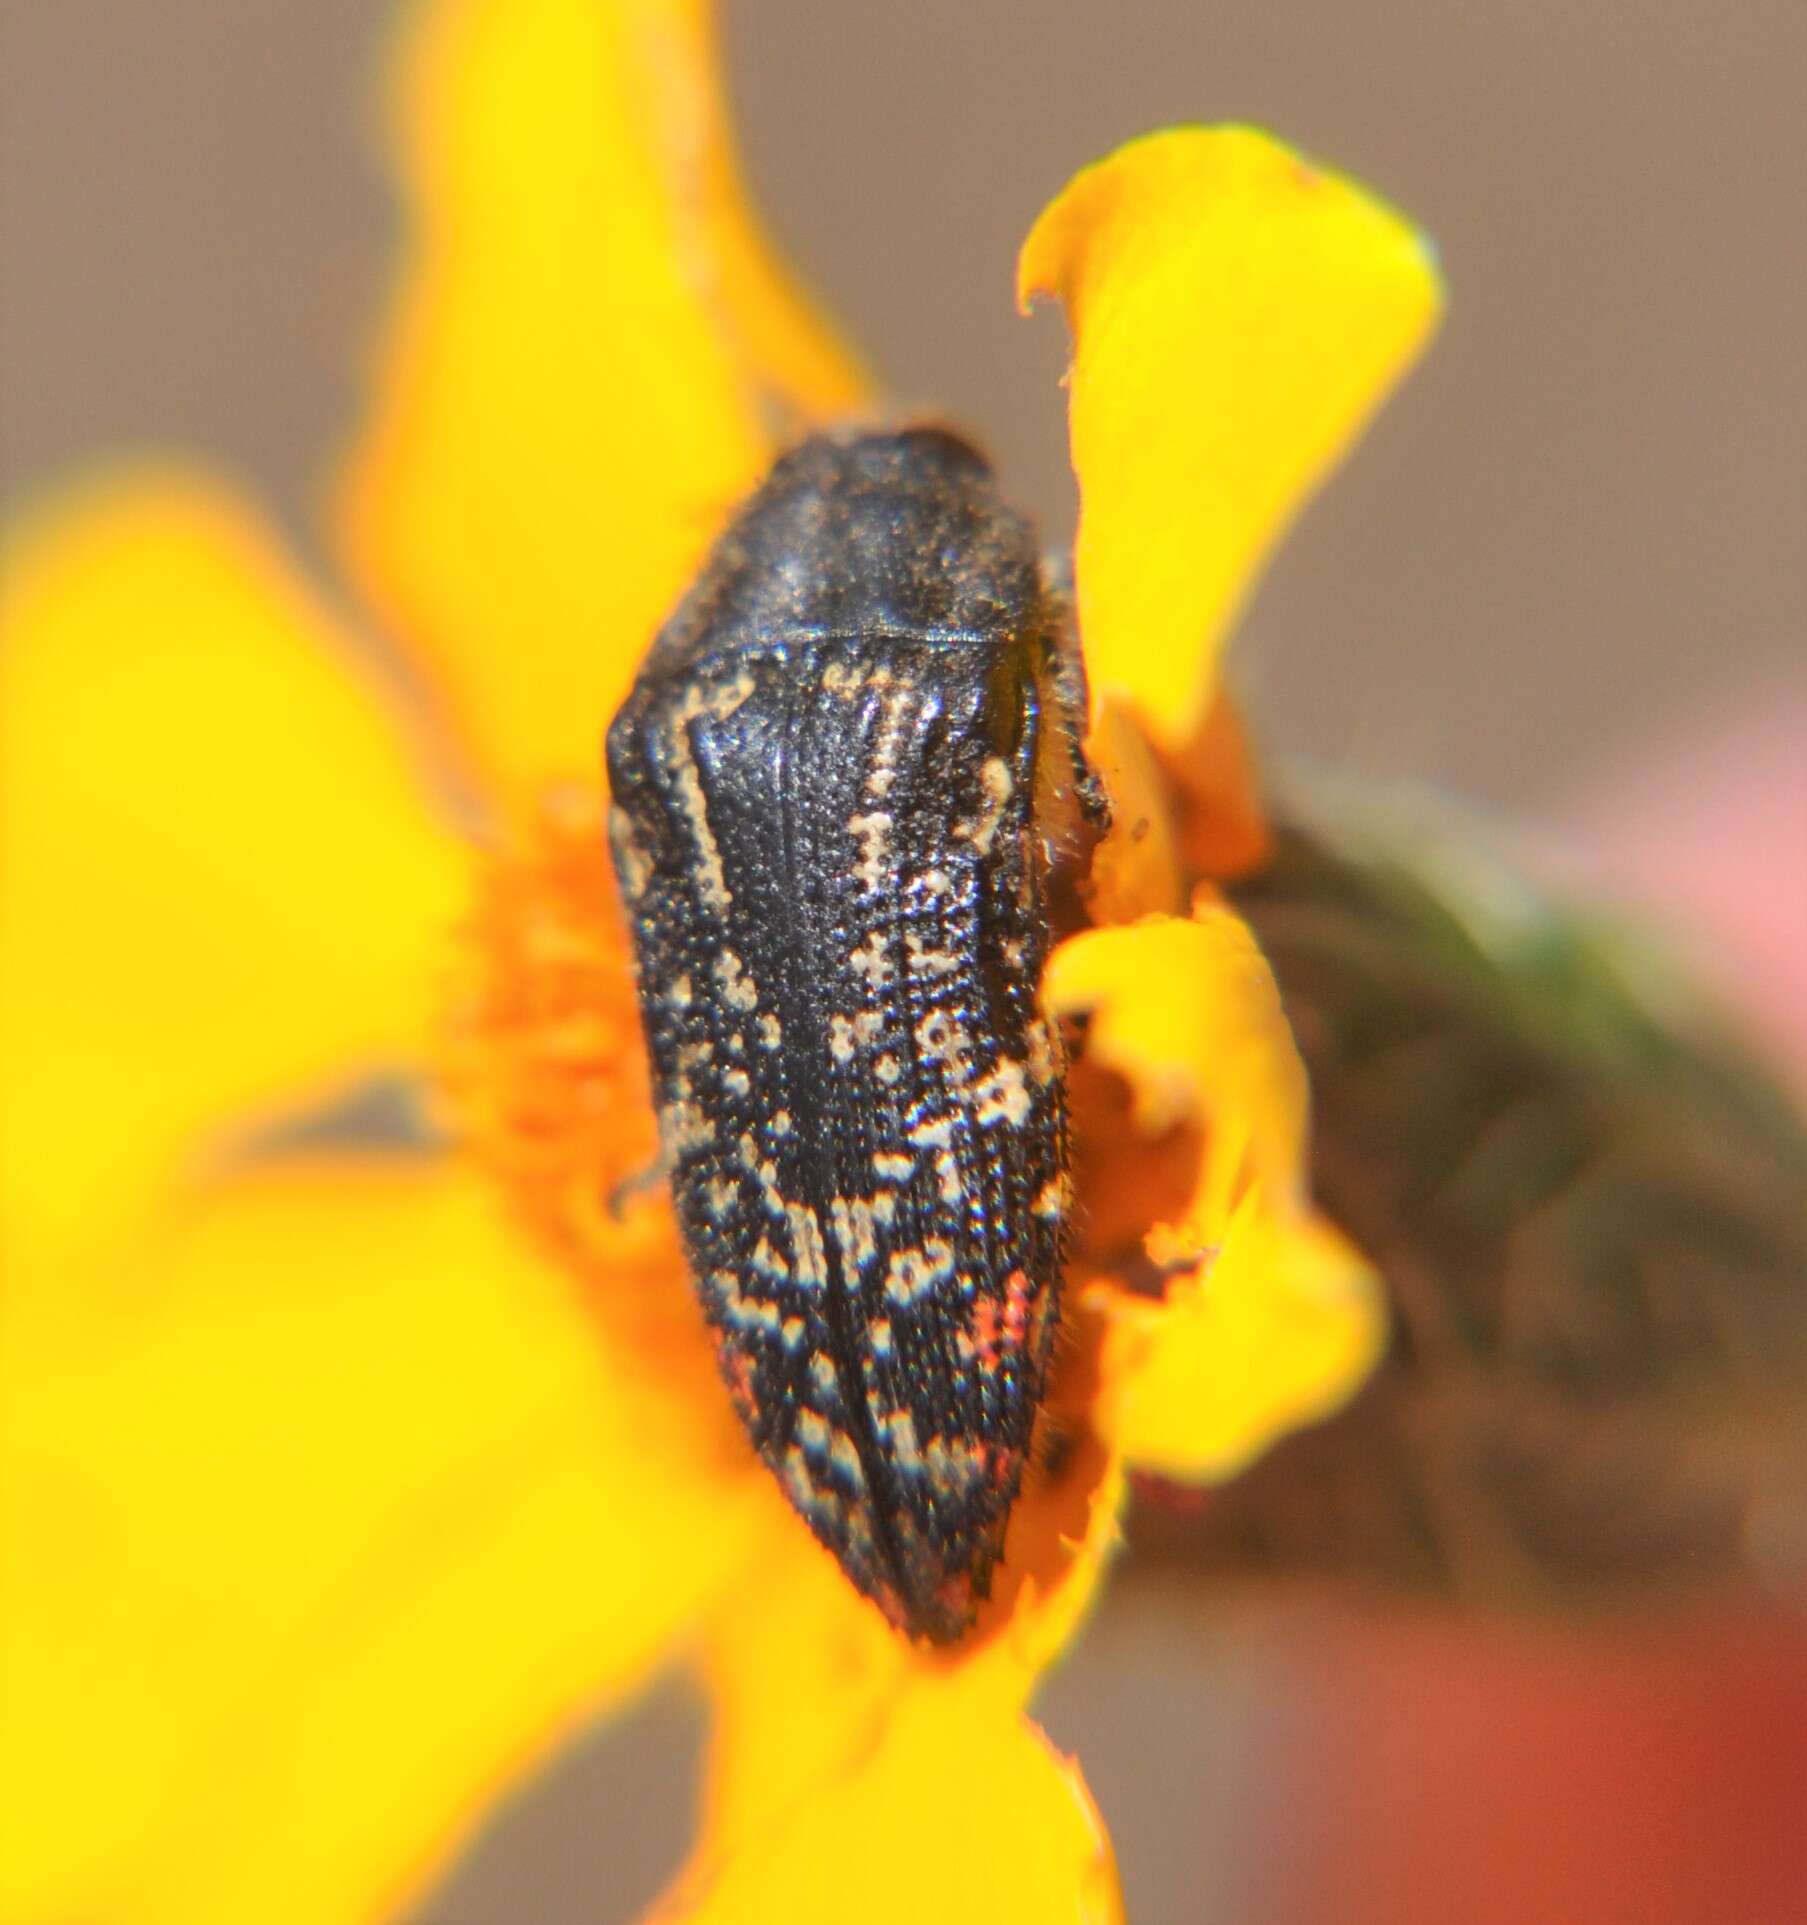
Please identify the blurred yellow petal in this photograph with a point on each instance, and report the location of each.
(1238, 313)
(219, 875)
(1270, 1318)
(588, 360)
(854, 1774)
(323, 1523)
(1278, 1327)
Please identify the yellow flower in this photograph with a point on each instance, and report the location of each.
(345, 1475)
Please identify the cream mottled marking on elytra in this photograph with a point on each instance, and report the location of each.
(813, 1432)
(712, 880)
(682, 992)
(809, 1257)
(683, 1126)
(769, 1263)
(770, 1034)
(1014, 952)
(933, 1132)
(718, 703)
(869, 960)
(912, 1272)
(807, 1246)
(872, 831)
(855, 1221)
(695, 1054)
(954, 1463)
(947, 1174)
(858, 1527)
(1051, 1199)
(755, 1313)
(892, 1167)
(720, 1194)
(1044, 1053)
(793, 1331)
(997, 783)
(846, 1034)
(853, 678)
(898, 1428)
(887, 1069)
(721, 702)
(631, 859)
(822, 1378)
(738, 1309)
(737, 1082)
(844, 1455)
(824, 1504)
(1001, 1095)
(737, 1044)
(934, 883)
(780, 1124)
(878, 1336)
(738, 988)
(943, 1040)
(893, 717)
(921, 960)
(799, 1481)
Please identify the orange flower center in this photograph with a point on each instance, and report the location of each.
(544, 1071)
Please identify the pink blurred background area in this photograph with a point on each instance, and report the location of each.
(1565, 577)
(1704, 829)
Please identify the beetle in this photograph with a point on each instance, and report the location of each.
(840, 788)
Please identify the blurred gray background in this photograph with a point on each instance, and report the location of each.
(1579, 527)
(1581, 520)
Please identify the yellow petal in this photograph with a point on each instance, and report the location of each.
(1277, 1328)
(1238, 313)
(956, 1810)
(323, 1522)
(852, 1773)
(1270, 1318)
(1136, 868)
(219, 875)
(1224, 825)
(589, 356)
(1186, 1010)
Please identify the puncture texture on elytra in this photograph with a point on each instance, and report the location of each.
(835, 790)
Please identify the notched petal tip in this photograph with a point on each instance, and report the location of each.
(1238, 313)
(1267, 1318)
(1275, 1326)
(1187, 1011)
